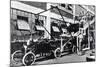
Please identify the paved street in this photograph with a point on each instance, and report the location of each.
(65, 59)
(69, 58)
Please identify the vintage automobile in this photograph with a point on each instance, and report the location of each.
(38, 48)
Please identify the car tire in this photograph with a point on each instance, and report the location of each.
(57, 53)
(30, 57)
(13, 55)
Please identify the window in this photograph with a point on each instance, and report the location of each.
(73, 28)
(63, 25)
(23, 23)
(38, 22)
(22, 18)
(63, 5)
(69, 7)
(55, 29)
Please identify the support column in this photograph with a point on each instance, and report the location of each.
(48, 22)
(31, 20)
(74, 13)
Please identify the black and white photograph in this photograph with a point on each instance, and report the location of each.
(44, 33)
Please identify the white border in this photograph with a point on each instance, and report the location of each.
(5, 33)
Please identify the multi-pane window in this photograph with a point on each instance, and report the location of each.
(68, 7)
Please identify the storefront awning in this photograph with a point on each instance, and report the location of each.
(23, 25)
(39, 28)
(55, 29)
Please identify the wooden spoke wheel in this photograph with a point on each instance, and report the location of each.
(17, 56)
(57, 53)
(29, 59)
